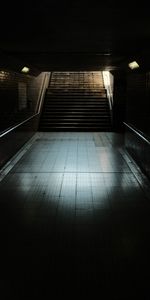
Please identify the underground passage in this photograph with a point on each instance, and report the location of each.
(74, 152)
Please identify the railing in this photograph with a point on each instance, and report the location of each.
(38, 108)
(137, 132)
(8, 130)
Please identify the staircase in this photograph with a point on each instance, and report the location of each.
(76, 101)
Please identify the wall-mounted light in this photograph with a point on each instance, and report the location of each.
(25, 70)
(133, 65)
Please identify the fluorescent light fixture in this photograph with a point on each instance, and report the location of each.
(133, 65)
(25, 70)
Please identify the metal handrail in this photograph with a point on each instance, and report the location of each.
(44, 84)
(18, 125)
(137, 132)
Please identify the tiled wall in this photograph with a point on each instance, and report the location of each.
(18, 97)
(13, 86)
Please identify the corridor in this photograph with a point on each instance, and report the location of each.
(76, 210)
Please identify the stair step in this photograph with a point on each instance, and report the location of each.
(76, 96)
(81, 114)
(74, 107)
(103, 117)
(75, 85)
(102, 120)
(72, 104)
(79, 103)
(71, 110)
(77, 99)
(74, 126)
(76, 92)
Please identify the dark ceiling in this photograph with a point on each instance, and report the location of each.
(74, 35)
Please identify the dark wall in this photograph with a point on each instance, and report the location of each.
(138, 101)
(15, 139)
(138, 116)
(119, 100)
(18, 97)
(14, 90)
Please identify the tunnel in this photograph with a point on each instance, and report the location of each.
(74, 150)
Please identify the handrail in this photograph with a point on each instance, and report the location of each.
(137, 132)
(40, 98)
(18, 125)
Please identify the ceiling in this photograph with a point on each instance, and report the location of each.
(74, 35)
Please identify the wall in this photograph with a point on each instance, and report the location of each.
(137, 115)
(15, 139)
(138, 101)
(119, 100)
(18, 97)
(12, 139)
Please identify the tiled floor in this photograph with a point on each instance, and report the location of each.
(77, 216)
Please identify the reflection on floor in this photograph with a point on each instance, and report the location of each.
(77, 218)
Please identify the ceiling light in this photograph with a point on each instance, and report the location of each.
(133, 65)
(25, 70)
